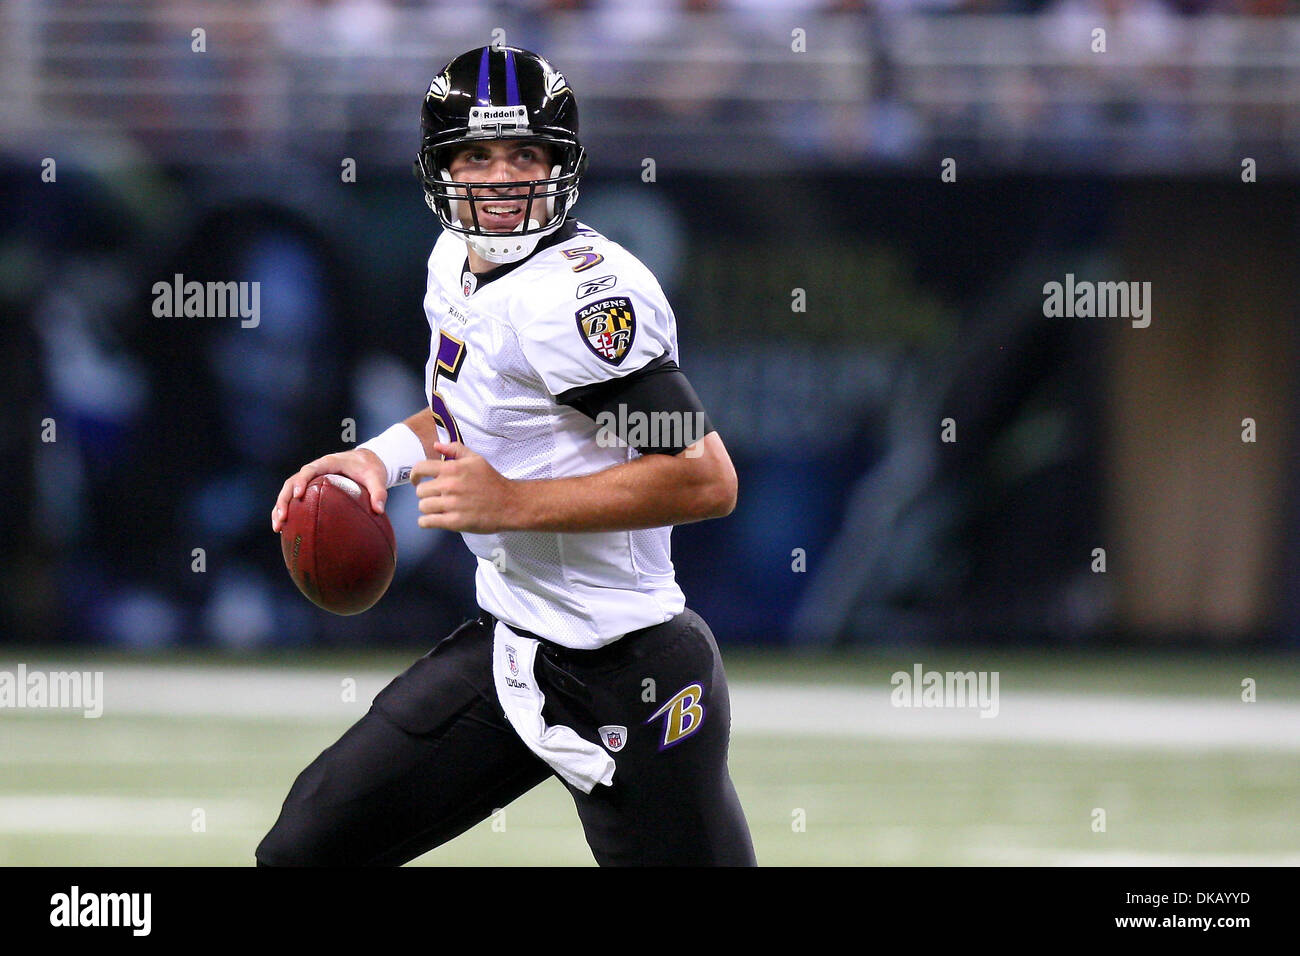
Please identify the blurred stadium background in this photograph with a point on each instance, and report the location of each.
(797, 155)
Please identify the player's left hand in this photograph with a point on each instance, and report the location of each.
(462, 493)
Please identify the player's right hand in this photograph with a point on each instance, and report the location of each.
(361, 465)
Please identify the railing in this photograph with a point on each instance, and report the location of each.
(694, 91)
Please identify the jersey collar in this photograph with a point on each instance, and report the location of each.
(471, 282)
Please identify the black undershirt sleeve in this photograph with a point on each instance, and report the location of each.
(654, 409)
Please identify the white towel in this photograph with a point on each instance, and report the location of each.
(580, 762)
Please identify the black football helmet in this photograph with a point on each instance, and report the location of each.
(500, 93)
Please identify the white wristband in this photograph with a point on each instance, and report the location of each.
(400, 449)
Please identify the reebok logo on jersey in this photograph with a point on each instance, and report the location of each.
(683, 715)
(592, 286)
(608, 327)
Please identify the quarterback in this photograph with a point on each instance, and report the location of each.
(549, 346)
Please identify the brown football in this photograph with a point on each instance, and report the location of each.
(338, 551)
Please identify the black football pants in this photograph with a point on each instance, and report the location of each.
(435, 755)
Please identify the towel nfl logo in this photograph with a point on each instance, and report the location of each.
(613, 737)
(514, 661)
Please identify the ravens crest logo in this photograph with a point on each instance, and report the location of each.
(608, 327)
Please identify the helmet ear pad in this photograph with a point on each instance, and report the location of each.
(454, 204)
(550, 200)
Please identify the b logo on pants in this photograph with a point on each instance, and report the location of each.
(683, 715)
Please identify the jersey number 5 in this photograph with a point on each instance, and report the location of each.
(451, 355)
(584, 257)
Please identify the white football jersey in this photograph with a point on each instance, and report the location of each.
(575, 313)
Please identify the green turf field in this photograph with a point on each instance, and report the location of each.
(125, 788)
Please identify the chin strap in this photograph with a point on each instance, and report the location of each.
(507, 246)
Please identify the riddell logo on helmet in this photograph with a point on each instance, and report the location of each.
(502, 117)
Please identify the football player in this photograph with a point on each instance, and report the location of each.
(563, 441)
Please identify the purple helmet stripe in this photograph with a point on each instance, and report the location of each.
(484, 99)
(512, 81)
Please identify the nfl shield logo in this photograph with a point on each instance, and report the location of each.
(514, 661)
(613, 737)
